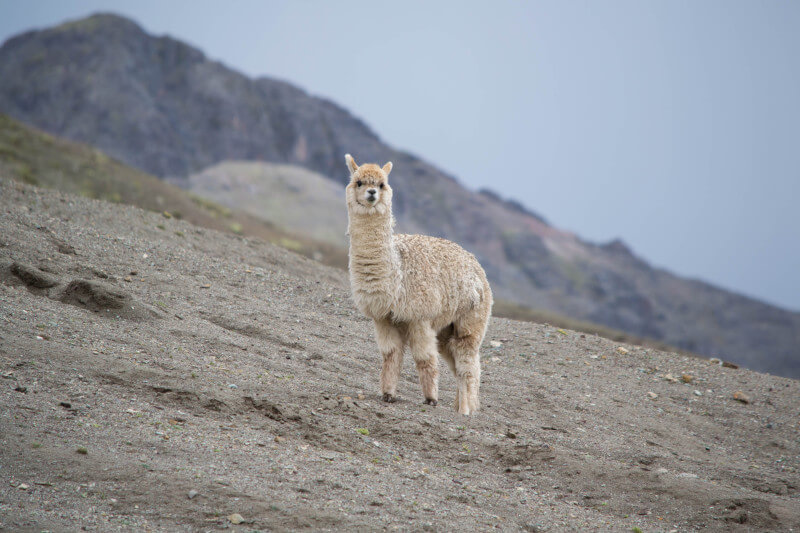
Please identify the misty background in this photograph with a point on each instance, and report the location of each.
(674, 126)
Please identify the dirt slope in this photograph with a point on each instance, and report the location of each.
(139, 367)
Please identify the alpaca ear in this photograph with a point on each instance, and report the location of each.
(351, 163)
(387, 168)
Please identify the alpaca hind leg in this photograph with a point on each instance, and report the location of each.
(391, 345)
(468, 371)
(422, 341)
(443, 341)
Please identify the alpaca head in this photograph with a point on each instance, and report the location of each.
(368, 192)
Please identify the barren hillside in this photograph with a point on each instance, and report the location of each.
(193, 380)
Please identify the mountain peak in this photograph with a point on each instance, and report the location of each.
(100, 22)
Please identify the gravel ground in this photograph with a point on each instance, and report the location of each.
(159, 376)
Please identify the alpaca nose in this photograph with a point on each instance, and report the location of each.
(372, 192)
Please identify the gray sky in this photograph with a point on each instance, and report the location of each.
(672, 125)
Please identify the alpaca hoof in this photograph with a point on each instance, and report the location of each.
(389, 398)
(432, 402)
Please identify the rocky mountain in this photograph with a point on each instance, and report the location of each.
(160, 105)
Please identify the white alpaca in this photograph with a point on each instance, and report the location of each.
(422, 292)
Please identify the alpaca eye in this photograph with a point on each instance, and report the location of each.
(381, 185)
(359, 183)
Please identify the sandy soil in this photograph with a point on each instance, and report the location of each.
(183, 379)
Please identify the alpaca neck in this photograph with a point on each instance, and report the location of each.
(374, 262)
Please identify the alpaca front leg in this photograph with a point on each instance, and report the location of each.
(422, 340)
(391, 345)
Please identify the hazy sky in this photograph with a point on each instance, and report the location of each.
(674, 125)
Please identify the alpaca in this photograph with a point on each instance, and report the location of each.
(422, 292)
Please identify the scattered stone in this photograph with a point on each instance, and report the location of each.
(652, 395)
(687, 475)
(670, 378)
(715, 361)
(235, 518)
(21, 389)
(192, 494)
(739, 396)
(82, 450)
(361, 396)
(687, 378)
(23, 486)
(698, 393)
(495, 359)
(622, 350)
(728, 364)
(495, 344)
(662, 470)
(233, 386)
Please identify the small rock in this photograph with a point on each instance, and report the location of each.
(235, 518)
(652, 395)
(687, 475)
(698, 393)
(361, 396)
(495, 344)
(739, 396)
(687, 378)
(233, 386)
(662, 470)
(670, 378)
(728, 364)
(21, 389)
(715, 361)
(192, 494)
(23, 486)
(495, 359)
(82, 450)
(622, 350)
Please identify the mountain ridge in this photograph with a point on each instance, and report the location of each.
(161, 105)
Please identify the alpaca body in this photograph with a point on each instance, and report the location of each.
(425, 293)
